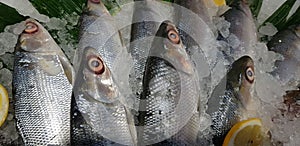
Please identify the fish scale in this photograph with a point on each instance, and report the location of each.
(85, 135)
(106, 41)
(37, 106)
(163, 116)
(142, 31)
(228, 100)
(228, 108)
(170, 91)
(42, 83)
(99, 115)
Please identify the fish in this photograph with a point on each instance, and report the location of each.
(101, 43)
(143, 27)
(99, 116)
(194, 22)
(196, 6)
(98, 30)
(42, 82)
(170, 90)
(287, 43)
(231, 97)
(242, 27)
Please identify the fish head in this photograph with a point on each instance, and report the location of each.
(167, 44)
(241, 77)
(36, 40)
(34, 37)
(94, 79)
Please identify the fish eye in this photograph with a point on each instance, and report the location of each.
(95, 1)
(173, 36)
(95, 65)
(31, 27)
(249, 74)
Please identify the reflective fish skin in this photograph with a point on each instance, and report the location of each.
(287, 43)
(98, 30)
(197, 6)
(42, 81)
(99, 116)
(242, 26)
(140, 42)
(230, 97)
(170, 91)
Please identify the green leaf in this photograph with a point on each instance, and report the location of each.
(294, 19)
(11, 16)
(59, 8)
(255, 7)
(278, 18)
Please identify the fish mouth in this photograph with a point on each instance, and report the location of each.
(29, 39)
(68, 69)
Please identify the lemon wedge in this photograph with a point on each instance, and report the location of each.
(245, 133)
(220, 2)
(3, 104)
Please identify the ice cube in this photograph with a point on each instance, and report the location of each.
(56, 24)
(268, 29)
(7, 42)
(8, 60)
(16, 29)
(222, 26)
(268, 88)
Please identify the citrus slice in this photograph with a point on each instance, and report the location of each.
(3, 104)
(245, 133)
(220, 2)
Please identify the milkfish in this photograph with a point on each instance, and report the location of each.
(42, 83)
(170, 90)
(287, 43)
(145, 24)
(243, 35)
(98, 30)
(194, 32)
(101, 43)
(99, 117)
(230, 98)
(196, 6)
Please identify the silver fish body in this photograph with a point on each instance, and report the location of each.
(229, 97)
(98, 30)
(196, 6)
(99, 115)
(169, 97)
(242, 27)
(99, 103)
(287, 43)
(42, 82)
(143, 30)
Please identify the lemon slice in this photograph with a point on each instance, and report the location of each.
(3, 104)
(245, 133)
(220, 2)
